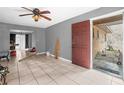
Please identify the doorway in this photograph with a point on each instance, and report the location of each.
(20, 41)
(107, 50)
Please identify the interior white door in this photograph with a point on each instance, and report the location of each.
(20, 41)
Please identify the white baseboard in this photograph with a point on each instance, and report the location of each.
(52, 55)
(41, 53)
(65, 59)
(61, 58)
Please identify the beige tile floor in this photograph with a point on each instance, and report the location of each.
(42, 70)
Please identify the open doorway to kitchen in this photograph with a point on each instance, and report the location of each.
(20, 44)
(20, 41)
(108, 45)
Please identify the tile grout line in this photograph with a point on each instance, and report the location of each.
(75, 81)
(18, 72)
(65, 76)
(72, 80)
(47, 74)
(31, 73)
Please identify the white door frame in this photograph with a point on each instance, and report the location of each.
(123, 46)
(91, 44)
(91, 32)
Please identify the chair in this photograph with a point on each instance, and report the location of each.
(4, 54)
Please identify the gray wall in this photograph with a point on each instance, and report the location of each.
(63, 31)
(4, 37)
(38, 36)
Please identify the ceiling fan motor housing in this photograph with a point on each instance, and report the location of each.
(37, 14)
(36, 11)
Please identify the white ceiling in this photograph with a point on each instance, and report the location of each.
(58, 14)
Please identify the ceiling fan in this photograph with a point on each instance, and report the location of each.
(36, 14)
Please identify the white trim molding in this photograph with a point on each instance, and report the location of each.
(91, 30)
(108, 15)
(41, 53)
(61, 58)
(91, 44)
(123, 48)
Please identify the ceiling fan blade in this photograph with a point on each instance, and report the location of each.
(46, 17)
(25, 14)
(45, 12)
(27, 9)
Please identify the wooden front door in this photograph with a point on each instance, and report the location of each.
(81, 44)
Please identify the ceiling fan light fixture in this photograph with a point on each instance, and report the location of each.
(36, 18)
(37, 14)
